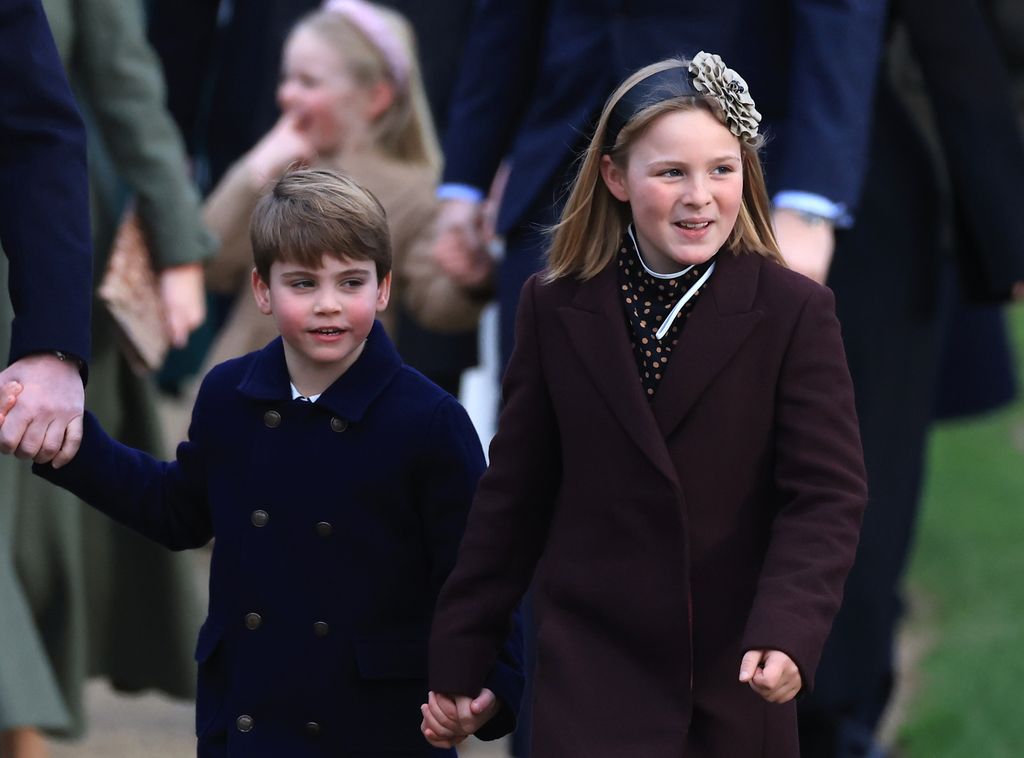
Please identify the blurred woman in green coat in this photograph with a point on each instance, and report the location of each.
(82, 596)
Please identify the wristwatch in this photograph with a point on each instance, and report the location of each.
(68, 358)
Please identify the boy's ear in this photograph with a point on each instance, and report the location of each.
(614, 178)
(384, 292)
(261, 291)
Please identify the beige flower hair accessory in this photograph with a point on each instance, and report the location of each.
(712, 77)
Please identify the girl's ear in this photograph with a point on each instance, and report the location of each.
(384, 292)
(379, 98)
(261, 292)
(614, 178)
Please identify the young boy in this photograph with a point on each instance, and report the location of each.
(336, 482)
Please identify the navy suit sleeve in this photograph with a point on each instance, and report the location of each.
(836, 47)
(451, 470)
(44, 203)
(496, 78)
(164, 501)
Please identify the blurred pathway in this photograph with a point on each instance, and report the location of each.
(153, 726)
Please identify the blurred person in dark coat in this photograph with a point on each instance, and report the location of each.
(943, 193)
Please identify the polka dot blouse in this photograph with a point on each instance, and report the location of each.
(648, 301)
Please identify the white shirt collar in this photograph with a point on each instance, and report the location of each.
(296, 395)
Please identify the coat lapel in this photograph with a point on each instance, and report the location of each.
(348, 397)
(597, 328)
(714, 331)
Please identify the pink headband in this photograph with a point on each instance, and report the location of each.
(374, 26)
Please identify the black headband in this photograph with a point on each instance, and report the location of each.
(660, 86)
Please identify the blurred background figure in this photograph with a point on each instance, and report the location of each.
(222, 60)
(102, 600)
(939, 230)
(351, 98)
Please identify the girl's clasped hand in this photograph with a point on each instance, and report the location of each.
(8, 397)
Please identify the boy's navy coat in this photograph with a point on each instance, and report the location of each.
(668, 537)
(336, 523)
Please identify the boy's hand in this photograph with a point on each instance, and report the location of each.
(772, 674)
(8, 397)
(448, 720)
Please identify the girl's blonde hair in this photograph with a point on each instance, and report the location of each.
(405, 131)
(590, 230)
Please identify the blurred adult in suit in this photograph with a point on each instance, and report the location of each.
(942, 199)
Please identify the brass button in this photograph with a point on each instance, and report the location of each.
(253, 620)
(320, 628)
(339, 424)
(324, 529)
(312, 728)
(259, 518)
(272, 419)
(244, 723)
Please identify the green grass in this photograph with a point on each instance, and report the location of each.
(967, 589)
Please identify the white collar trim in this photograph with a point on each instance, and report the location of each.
(648, 269)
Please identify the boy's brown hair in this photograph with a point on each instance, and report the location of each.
(310, 213)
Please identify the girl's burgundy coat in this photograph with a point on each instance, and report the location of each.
(667, 538)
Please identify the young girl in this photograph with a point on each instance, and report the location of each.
(352, 99)
(677, 466)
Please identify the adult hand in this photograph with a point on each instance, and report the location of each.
(459, 246)
(184, 299)
(1018, 291)
(285, 144)
(772, 674)
(807, 246)
(46, 422)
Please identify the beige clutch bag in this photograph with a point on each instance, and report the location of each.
(131, 294)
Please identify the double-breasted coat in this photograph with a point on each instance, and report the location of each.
(336, 523)
(669, 537)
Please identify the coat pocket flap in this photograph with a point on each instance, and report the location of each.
(209, 637)
(392, 659)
